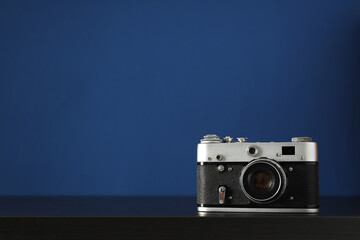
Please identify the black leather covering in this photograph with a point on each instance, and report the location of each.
(302, 185)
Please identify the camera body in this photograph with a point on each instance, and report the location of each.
(257, 176)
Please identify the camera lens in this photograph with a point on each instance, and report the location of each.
(263, 180)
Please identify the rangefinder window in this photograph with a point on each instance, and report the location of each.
(288, 150)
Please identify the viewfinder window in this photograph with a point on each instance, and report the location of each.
(288, 150)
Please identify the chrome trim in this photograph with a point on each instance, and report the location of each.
(258, 210)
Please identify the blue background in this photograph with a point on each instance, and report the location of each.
(112, 97)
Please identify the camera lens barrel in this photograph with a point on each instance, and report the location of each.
(263, 180)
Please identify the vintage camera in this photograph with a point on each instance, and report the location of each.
(247, 176)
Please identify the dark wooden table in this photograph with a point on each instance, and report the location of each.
(167, 218)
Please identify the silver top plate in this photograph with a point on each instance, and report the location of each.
(247, 151)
